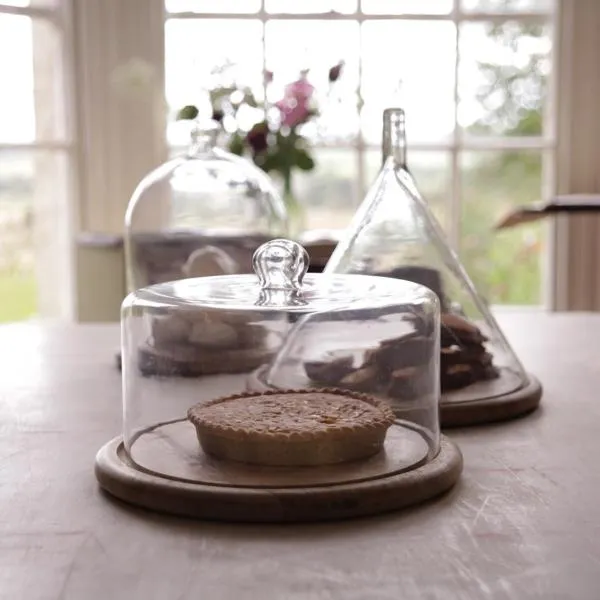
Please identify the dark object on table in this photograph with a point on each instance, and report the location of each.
(464, 359)
(398, 367)
(463, 356)
(569, 204)
(427, 276)
(188, 362)
(329, 373)
(161, 257)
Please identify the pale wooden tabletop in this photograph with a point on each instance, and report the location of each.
(523, 523)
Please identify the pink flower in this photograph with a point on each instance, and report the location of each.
(302, 90)
(292, 113)
(294, 105)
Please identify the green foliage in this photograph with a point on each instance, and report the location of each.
(237, 145)
(188, 112)
(18, 292)
(506, 266)
(303, 159)
(512, 94)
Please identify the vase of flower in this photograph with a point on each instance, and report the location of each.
(276, 142)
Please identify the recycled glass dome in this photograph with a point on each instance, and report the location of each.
(373, 337)
(202, 213)
(394, 234)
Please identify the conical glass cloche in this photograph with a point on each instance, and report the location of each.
(203, 213)
(394, 234)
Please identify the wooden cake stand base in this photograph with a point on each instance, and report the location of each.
(455, 411)
(183, 481)
(504, 407)
(152, 362)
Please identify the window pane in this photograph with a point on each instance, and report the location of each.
(399, 7)
(17, 274)
(432, 173)
(311, 6)
(505, 266)
(329, 192)
(203, 54)
(30, 110)
(292, 46)
(33, 214)
(503, 77)
(495, 6)
(210, 6)
(423, 86)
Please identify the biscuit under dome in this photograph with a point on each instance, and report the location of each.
(312, 330)
(202, 213)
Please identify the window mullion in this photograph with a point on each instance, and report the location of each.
(361, 184)
(503, 17)
(120, 103)
(49, 145)
(264, 62)
(48, 14)
(454, 216)
(527, 17)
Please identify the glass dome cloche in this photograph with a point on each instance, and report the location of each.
(394, 234)
(200, 214)
(336, 371)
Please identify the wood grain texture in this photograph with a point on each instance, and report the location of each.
(172, 450)
(523, 523)
(492, 410)
(119, 476)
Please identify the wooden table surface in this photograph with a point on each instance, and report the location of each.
(523, 523)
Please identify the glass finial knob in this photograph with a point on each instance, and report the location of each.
(204, 136)
(280, 265)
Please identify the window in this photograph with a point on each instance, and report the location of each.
(473, 77)
(35, 153)
(481, 139)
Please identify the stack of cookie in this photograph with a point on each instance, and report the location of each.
(196, 343)
(464, 359)
(397, 368)
(400, 367)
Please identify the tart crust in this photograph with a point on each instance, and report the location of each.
(292, 427)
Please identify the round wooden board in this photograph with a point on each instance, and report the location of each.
(120, 477)
(502, 407)
(491, 410)
(171, 450)
(154, 362)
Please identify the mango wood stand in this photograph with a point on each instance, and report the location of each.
(519, 403)
(204, 488)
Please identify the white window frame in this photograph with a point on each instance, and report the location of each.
(53, 213)
(114, 145)
(454, 146)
